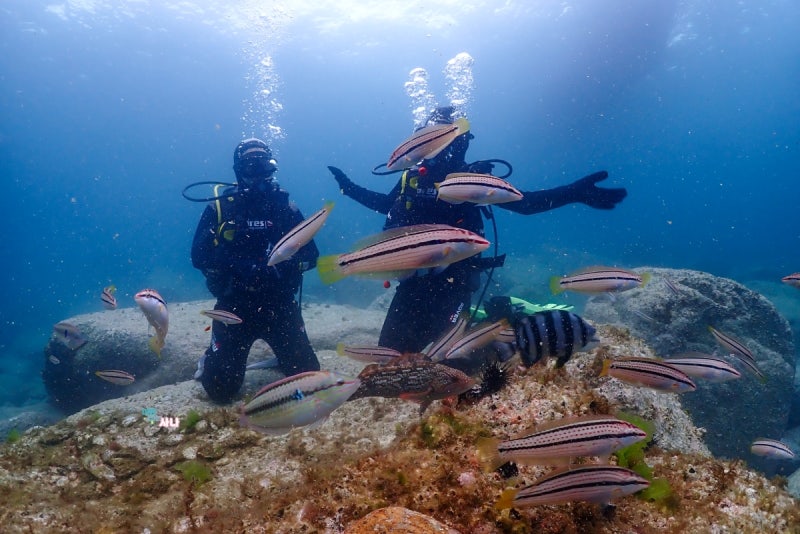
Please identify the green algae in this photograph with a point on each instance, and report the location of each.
(195, 472)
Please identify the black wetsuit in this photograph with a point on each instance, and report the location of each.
(232, 253)
(425, 306)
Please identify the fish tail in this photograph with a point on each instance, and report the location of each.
(606, 367)
(340, 348)
(645, 278)
(487, 452)
(329, 270)
(462, 125)
(506, 499)
(156, 343)
(555, 285)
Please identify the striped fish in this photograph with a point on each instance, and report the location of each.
(559, 441)
(296, 401)
(425, 143)
(647, 372)
(416, 380)
(441, 346)
(793, 280)
(69, 334)
(700, 365)
(595, 280)
(772, 449)
(476, 338)
(108, 299)
(115, 376)
(480, 189)
(222, 316)
(732, 344)
(155, 310)
(593, 483)
(671, 285)
(298, 236)
(554, 333)
(269, 363)
(401, 251)
(368, 354)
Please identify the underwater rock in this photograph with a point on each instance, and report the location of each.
(397, 519)
(674, 322)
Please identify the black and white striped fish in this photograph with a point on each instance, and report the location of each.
(559, 441)
(648, 372)
(296, 401)
(553, 333)
(593, 483)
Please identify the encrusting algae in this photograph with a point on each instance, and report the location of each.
(116, 472)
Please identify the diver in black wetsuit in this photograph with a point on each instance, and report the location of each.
(426, 306)
(231, 246)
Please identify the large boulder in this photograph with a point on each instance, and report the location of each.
(736, 412)
(118, 339)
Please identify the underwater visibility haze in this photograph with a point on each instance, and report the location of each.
(111, 108)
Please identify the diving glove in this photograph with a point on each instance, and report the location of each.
(602, 198)
(341, 178)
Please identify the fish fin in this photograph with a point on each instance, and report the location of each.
(645, 278)
(156, 344)
(462, 125)
(329, 270)
(340, 348)
(487, 452)
(555, 285)
(606, 367)
(506, 499)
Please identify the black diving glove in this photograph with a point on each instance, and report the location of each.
(602, 198)
(341, 178)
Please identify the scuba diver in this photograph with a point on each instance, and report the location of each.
(231, 246)
(426, 305)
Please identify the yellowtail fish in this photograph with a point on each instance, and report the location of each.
(222, 316)
(647, 372)
(70, 335)
(401, 251)
(425, 143)
(560, 441)
(441, 346)
(155, 310)
(772, 449)
(108, 298)
(598, 484)
(298, 236)
(700, 365)
(115, 376)
(554, 334)
(793, 280)
(480, 189)
(416, 380)
(297, 401)
(368, 353)
(596, 280)
(475, 339)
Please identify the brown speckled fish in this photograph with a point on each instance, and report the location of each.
(414, 379)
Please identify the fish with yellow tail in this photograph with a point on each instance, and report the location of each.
(108, 299)
(648, 372)
(155, 310)
(425, 143)
(297, 401)
(599, 484)
(399, 252)
(298, 236)
(412, 379)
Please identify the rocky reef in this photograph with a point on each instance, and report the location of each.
(374, 463)
(673, 322)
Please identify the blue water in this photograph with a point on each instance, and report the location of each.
(110, 108)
